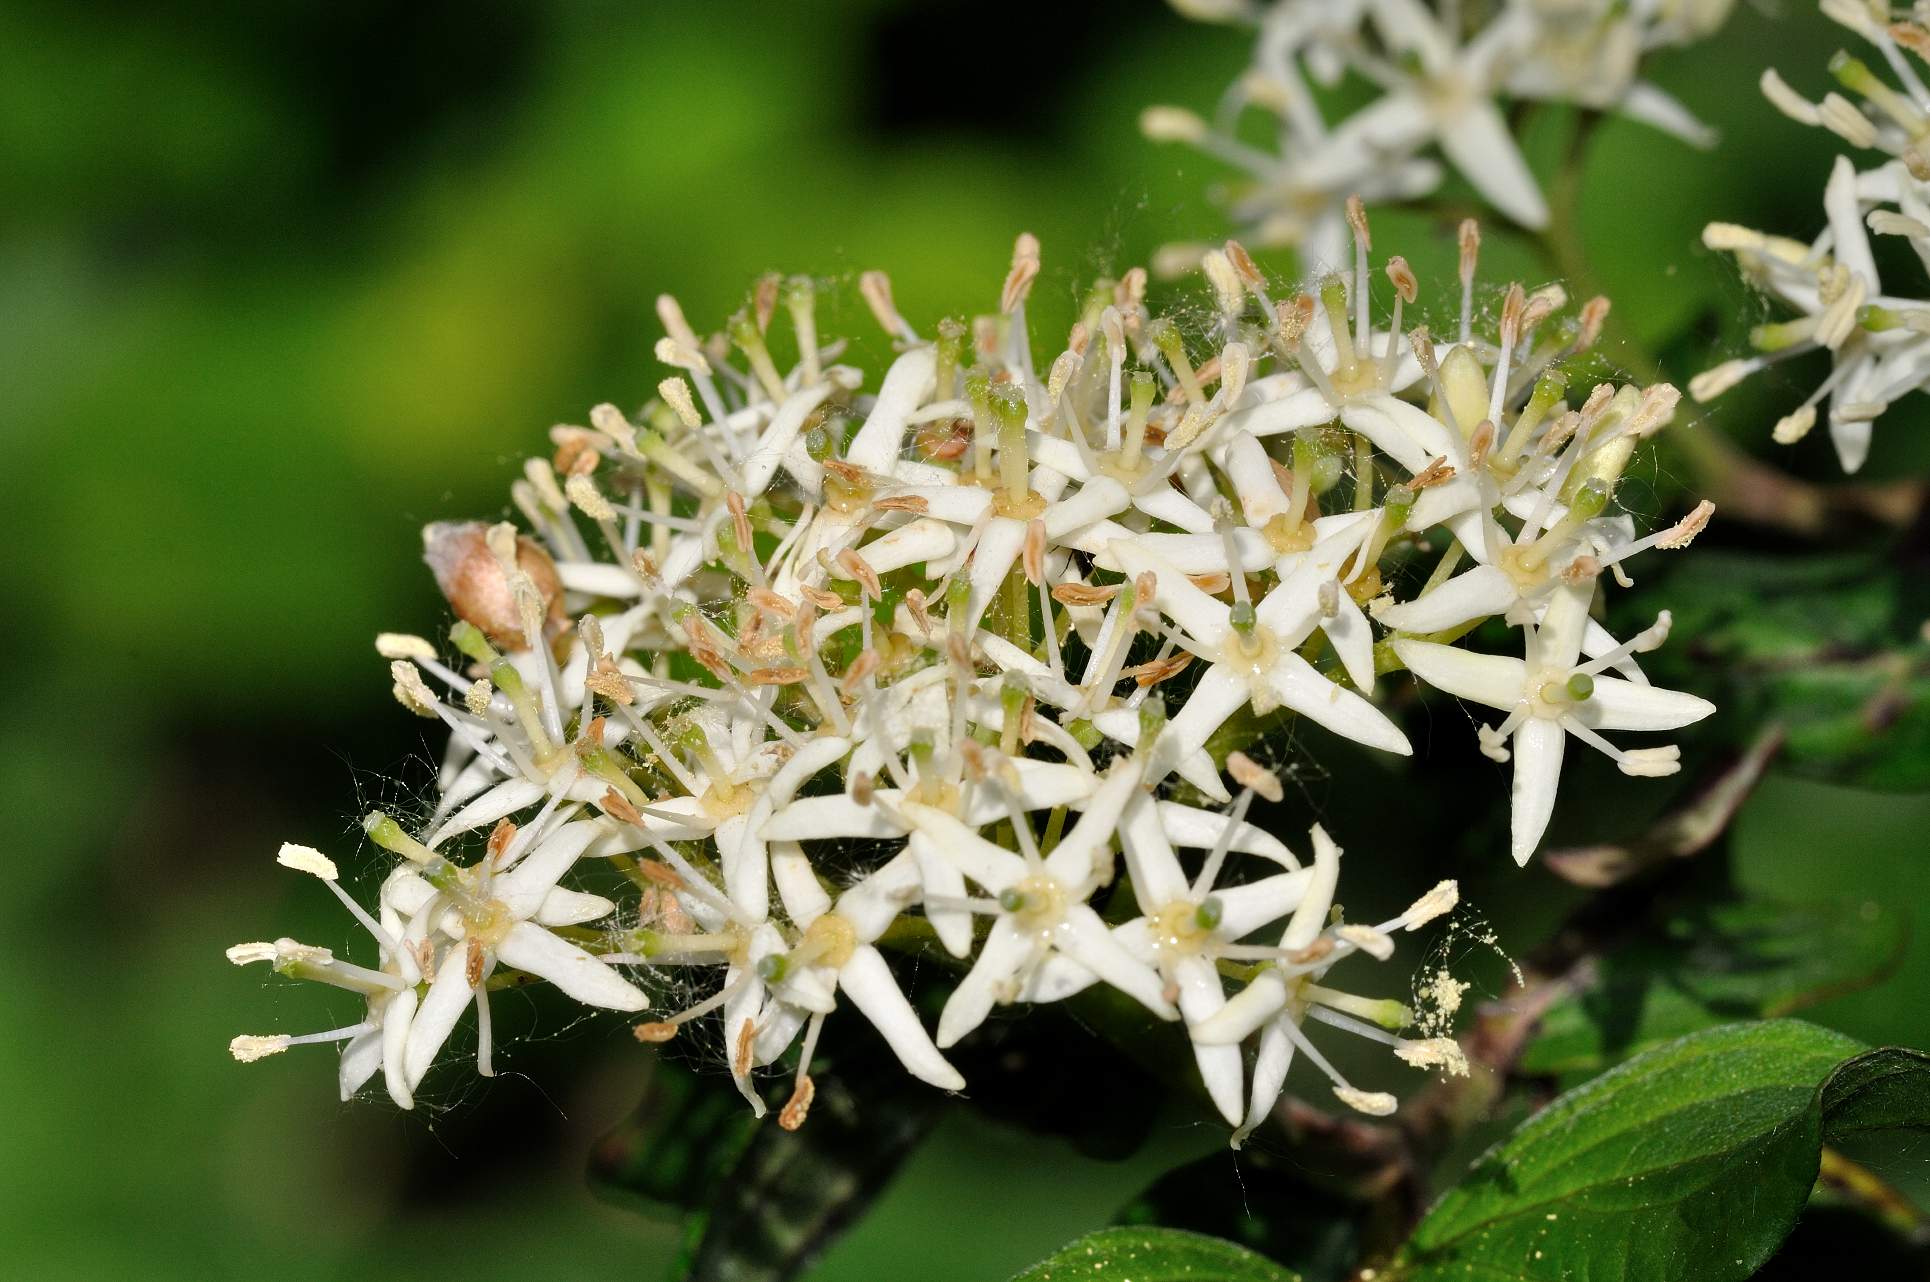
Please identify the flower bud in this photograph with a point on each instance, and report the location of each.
(457, 553)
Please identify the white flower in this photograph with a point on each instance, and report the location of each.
(1284, 994)
(496, 918)
(1040, 907)
(1250, 649)
(1879, 344)
(1187, 925)
(1549, 696)
(1438, 79)
(378, 1039)
(879, 674)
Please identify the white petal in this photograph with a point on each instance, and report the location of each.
(992, 560)
(523, 887)
(1201, 997)
(1626, 705)
(1218, 696)
(1493, 679)
(881, 895)
(1042, 785)
(867, 981)
(957, 503)
(1158, 879)
(1057, 978)
(1297, 685)
(1475, 594)
(776, 439)
(563, 907)
(398, 1022)
(1558, 638)
(823, 818)
(1192, 826)
(1851, 437)
(877, 444)
(1196, 767)
(1199, 614)
(1245, 462)
(1000, 958)
(1164, 503)
(1079, 853)
(1852, 242)
(1478, 144)
(1406, 433)
(1307, 407)
(746, 866)
(436, 1018)
(1353, 640)
(798, 889)
(504, 799)
(1099, 499)
(1270, 1066)
(1538, 748)
(360, 1058)
(1245, 1011)
(535, 950)
(1084, 937)
(925, 539)
(1653, 107)
(942, 879)
(989, 865)
(1316, 902)
(1290, 610)
(1246, 908)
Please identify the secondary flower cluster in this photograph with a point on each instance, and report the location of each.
(813, 671)
(1438, 74)
(1878, 339)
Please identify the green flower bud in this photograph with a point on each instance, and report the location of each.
(469, 639)
(1591, 498)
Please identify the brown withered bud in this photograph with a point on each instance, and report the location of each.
(457, 553)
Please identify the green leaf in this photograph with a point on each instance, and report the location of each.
(1691, 1160)
(1707, 965)
(1881, 1090)
(1153, 1255)
(1238, 1196)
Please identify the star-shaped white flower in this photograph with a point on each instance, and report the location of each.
(1549, 695)
(1289, 991)
(1251, 655)
(377, 1040)
(1040, 906)
(497, 918)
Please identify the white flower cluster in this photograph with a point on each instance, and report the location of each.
(819, 673)
(1438, 75)
(1878, 340)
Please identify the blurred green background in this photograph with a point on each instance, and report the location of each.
(279, 284)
